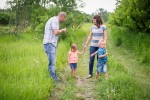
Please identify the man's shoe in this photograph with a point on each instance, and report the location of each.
(89, 76)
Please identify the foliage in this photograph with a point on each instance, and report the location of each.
(136, 42)
(26, 11)
(121, 84)
(128, 71)
(35, 13)
(103, 13)
(133, 14)
(6, 17)
(23, 72)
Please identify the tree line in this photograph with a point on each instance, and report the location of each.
(23, 13)
(133, 14)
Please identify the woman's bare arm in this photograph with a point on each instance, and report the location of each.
(88, 40)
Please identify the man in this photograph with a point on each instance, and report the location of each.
(51, 36)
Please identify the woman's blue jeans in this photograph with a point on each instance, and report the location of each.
(91, 63)
(50, 50)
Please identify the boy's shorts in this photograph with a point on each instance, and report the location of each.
(73, 65)
(101, 67)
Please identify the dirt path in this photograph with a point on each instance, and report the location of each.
(79, 88)
(85, 86)
(86, 89)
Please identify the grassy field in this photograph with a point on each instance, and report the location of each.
(128, 79)
(23, 63)
(128, 76)
(24, 73)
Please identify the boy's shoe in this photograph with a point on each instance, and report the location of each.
(89, 76)
(106, 78)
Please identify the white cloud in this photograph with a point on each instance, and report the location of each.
(92, 5)
(3, 4)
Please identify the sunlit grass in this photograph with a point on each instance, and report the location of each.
(24, 73)
(23, 65)
(128, 76)
(23, 69)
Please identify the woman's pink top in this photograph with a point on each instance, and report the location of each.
(73, 56)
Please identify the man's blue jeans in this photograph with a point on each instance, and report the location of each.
(91, 63)
(50, 50)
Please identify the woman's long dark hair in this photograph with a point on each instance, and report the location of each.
(98, 20)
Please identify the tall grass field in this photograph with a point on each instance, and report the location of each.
(128, 66)
(23, 64)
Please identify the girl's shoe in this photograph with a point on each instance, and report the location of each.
(89, 76)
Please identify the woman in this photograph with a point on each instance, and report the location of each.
(97, 32)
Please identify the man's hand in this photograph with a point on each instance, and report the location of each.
(63, 30)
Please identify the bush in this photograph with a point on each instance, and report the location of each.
(4, 18)
(136, 42)
(133, 14)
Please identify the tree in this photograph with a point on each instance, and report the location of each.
(103, 13)
(133, 14)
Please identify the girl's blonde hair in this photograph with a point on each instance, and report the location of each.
(74, 46)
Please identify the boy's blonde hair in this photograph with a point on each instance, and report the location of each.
(101, 41)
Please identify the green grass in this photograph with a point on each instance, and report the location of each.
(23, 68)
(135, 42)
(23, 64)
(121, 85)
(66, 89)
(128, 76)
(24, 73)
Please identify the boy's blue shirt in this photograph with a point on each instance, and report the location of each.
(102, 51)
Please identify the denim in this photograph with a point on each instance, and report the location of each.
(50, 50)
(73, 65)
(91, 63)
(101, 67)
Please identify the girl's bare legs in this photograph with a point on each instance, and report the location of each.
(71, 72)
(106, 75)
(97, 75)
(74, 73)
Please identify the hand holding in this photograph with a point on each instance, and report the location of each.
(84, 48)
(106, 53)
(91, 55)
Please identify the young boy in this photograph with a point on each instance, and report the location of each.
(102, 59)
